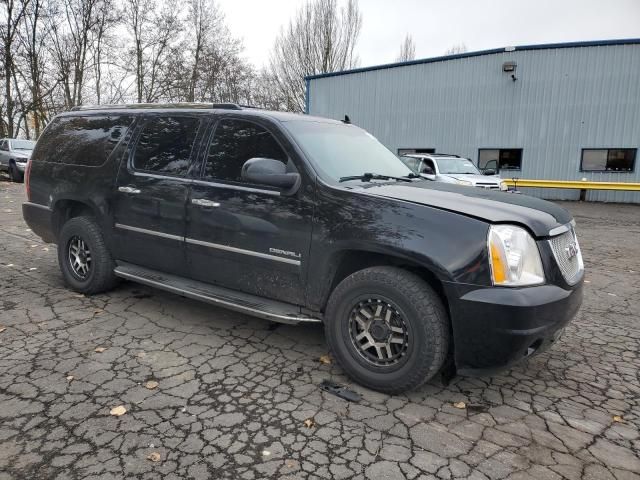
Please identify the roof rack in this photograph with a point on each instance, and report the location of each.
(141, 106)
(442, 155)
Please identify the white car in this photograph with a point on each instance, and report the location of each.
(14, 155)
(452, 169)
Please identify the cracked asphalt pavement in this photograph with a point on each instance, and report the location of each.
(233, 392)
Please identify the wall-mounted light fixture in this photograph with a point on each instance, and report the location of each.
(510, 67)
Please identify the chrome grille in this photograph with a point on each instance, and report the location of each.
(568, 255)
(490, 186)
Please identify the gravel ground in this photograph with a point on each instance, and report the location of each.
(233, 393)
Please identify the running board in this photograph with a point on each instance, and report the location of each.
(222, 297)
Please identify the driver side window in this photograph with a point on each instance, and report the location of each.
(236, 141)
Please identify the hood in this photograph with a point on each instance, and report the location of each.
(21, 154)
(538, 215)
(474, 178)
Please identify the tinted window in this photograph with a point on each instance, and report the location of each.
(612, 159)
(236, 141)
(165, 144)
(81, 140)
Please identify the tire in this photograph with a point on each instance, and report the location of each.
(15, 175)
(413, 356)
(98, 275)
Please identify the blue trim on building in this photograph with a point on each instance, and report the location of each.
(307, 95)
(545, 46)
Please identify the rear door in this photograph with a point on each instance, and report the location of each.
(152, 190)
(248, 237)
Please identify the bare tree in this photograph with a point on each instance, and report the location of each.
(456, 49)
(57, 54)
(73, 30)
(407, 49)
(155, 28)
(32, 67)
(320, 38)
(13, 12)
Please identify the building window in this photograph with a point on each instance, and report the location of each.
(608, 159)
(500, 159)
(404, 151)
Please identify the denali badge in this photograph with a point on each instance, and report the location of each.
(285, 252)
(571, 250)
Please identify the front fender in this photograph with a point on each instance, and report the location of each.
(451, 246)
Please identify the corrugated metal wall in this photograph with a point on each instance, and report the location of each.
(564, 99)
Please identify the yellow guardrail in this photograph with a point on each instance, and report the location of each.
(577, 184)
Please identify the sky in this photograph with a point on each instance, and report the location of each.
(436, 25)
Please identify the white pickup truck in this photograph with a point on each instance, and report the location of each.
(452, 169)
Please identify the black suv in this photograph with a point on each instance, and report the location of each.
(300, 219)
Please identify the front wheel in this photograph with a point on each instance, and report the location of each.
(15, 175)
(84, 259)
(387, 328)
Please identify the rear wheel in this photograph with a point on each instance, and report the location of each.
(387, 328)
(84, 259)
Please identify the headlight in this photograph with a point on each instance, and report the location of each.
(503, 186)
(463, 182)
(514, 257)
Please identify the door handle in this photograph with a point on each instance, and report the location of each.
(128, 190)
(204, 203)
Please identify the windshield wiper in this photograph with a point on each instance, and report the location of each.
(366, 177)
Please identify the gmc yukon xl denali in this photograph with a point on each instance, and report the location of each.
(299, 219)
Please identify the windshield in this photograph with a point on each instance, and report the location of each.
(22, 144)
(338, 150)
(456, 166)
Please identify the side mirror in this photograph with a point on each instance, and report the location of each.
(267, 171)
(428, 173)
(489, 171)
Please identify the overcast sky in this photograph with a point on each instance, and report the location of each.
(438, 24)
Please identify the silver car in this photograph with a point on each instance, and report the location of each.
(14, 155)
(452, 169)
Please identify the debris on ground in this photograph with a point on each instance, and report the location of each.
(154, 457)
(69, 378)
(477, 408)
(118, 411)
(460, 405)
(618, 419)
(340, 391)
(151, 384)
(309, 423)
(99, 349)
(325, 359)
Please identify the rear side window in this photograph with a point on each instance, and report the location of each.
(82, 140)
(165, 145)
(236, 141)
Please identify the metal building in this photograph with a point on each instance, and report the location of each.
(557, 112)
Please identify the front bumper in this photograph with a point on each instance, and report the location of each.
(494, 328)
(21, 166)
